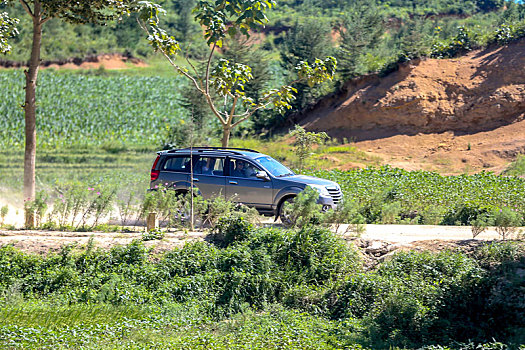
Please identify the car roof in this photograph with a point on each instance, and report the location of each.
(215, 151)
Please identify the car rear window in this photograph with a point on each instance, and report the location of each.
(178, 164)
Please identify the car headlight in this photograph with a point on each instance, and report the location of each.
(321, 189)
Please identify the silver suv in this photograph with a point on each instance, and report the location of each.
(241, 175)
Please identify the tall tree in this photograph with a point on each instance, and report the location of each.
(244, 50)
(227, 79)
(360, 30)
(305, 41)
(41, 11)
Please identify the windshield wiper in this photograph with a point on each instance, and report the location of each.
(283, 175)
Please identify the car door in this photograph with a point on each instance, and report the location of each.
(174, 172)
(243, 186)
(208, 176)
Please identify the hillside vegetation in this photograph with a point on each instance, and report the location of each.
(126, 36)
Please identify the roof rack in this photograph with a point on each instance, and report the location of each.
(225, 149)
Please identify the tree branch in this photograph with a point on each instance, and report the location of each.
(45, 20)
(242, 119)
(187, 75)
(208, 97)
(182, 71)
(193, 67)
(214, 110)
(208, 68)
(173, 64)
(26, 7)
(263, 105)
(232, 113)
(248, 114)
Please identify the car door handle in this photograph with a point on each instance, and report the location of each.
(196, 180)
(233, 182)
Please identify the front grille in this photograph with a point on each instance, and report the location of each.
(336, 194)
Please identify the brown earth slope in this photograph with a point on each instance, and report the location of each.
(466, 112)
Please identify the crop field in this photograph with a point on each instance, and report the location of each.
(86, 165)
(90, 109)
(428, 197)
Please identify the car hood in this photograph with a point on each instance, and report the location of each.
(310, 180)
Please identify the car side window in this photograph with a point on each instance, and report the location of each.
(209, 166)
(177, 164)
(241, 168)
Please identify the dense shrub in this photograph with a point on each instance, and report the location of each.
(507, 33)
(260, 267)
(412, 300)
(463, 41)
(232, 229)
(425, 298)
(464, 214)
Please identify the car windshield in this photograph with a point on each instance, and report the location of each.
(274, 167)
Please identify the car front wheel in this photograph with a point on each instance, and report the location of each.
(285, 215)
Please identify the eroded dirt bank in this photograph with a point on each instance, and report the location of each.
(449, 115)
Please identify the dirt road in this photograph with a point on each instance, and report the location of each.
(374, 237)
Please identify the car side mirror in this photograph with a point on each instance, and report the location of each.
(262, 175)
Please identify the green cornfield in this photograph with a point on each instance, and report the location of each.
(79, 109)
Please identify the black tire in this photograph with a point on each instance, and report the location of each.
(286, 220)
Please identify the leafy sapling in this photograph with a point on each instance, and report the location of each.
(223, 78)
(506, 221)
(304, 140)
(480, 224)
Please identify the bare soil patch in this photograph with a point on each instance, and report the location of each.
(106, 61)
(449, 153)
(41, 242)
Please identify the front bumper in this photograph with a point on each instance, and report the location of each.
(327, 202)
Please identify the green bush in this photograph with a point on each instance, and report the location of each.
(402, 302)
(463, 41)
(506, 220)
(497, 253)
(507, 33)
(516, 168)
(232, 229)
(153, 235)
(390, 213)
(346, 212)
(304, 210)
(465, 214)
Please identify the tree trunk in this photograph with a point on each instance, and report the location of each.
(30, 106)
(226, 130)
